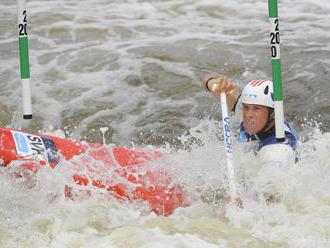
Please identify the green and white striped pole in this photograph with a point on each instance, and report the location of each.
(276, 68)
(24, 59)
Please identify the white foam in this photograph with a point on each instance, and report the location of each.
(81, 53)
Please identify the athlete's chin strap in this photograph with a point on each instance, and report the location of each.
(270, 120)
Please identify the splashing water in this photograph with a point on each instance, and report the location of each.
(299, 216)
(135, 67)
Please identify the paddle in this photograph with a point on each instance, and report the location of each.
(24, 59)
(228, 146)
(276, 69)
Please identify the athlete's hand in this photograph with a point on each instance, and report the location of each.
(217, 83)
(220, 84)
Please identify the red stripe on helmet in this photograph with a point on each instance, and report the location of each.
(261, 81)
(255, 83)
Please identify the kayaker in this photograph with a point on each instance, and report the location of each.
(257, 105)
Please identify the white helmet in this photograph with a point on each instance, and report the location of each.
(259, 92)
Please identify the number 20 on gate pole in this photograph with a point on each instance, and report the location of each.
(24, 59)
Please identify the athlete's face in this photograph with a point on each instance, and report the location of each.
(254, 117)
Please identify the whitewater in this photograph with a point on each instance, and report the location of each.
(135, 66)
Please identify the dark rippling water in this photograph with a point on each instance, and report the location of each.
(135, 66)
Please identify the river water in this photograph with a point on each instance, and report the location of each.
(135, 66)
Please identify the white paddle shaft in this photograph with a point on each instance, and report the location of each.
(228, 146)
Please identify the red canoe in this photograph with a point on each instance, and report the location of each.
(122, 172)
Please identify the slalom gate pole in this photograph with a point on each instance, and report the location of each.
(24, 59)
(276, 69)
(229, 148)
